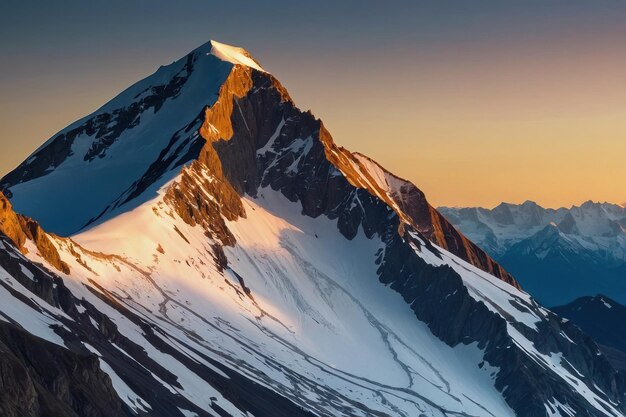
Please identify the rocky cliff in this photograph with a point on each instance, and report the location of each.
(22, 230)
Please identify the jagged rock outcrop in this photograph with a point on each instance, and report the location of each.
(437, 229)
(205, 177)
(38, 378)
(21, 229)
(413, 207)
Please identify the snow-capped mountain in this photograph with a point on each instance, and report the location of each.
(217, 254)
(557, 254)
(603, 319)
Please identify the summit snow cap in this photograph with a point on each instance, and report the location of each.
(233, 54)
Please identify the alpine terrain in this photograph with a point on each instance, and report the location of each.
(557, 255)
(603, 319)
(199, 246)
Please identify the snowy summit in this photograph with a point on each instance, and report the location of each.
(233, 54)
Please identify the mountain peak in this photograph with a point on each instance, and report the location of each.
(220, 233)
(589, 204)
(606, 301)
(233, 54)
(529, 203)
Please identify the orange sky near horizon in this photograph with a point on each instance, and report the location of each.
(536, 113)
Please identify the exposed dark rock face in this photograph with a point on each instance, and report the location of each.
(437, 228)
(416, 210)
(270, 114)
(205, 175)
(439, 298)
(39, 378)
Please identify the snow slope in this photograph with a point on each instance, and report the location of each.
(302, 310)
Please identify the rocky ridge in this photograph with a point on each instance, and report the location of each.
(21, 230)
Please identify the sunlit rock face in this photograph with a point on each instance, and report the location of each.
(225, 258)
(27, 235)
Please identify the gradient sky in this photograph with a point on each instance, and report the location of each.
(475, 102)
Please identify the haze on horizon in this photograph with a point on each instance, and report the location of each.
(475, 103)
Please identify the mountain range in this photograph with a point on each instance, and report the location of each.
(558, 255)
(200, 246)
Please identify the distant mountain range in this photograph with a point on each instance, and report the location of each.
(556, 254)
